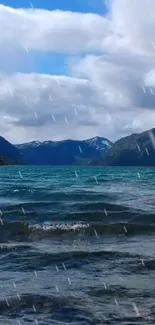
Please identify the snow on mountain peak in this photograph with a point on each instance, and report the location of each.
(99, 143)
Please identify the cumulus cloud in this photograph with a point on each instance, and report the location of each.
(47, 106)
(109, 94)
(35, 106)
(39, 29)
(129, 25)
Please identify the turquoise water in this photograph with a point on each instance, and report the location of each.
(77, 245)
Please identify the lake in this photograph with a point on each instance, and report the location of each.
(77, 245)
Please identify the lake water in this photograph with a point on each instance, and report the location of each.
(77, 245)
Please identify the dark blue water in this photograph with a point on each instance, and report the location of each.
(77, 245)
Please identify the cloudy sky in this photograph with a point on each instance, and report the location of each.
(76, 68)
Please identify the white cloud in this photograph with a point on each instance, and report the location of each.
(38, 106)
(39, 29)
(40, 103)
(35, 106)
(130, 25)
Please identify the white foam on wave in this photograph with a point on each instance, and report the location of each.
(65, 227)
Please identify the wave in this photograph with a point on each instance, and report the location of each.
(74, 210)
(134, 223)
(11, 247)
(121, 291)
(65, 309)
(32, 260)
(93, 228)
(43, 196)
(70, 310)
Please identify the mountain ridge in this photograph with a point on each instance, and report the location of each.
(137, 149)
(64, 152)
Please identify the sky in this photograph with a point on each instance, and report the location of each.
(76, 69)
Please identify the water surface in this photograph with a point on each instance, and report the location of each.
(77, 245)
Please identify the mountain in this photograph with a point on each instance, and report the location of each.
(66, 152)
(99, 143)
(135, 150)
(3, 162)
(9, 153)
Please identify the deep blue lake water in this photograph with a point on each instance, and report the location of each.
(77, 245)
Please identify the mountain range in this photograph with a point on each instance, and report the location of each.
(137, 149)
(66, 152)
